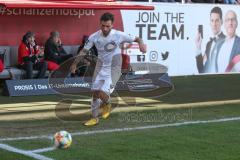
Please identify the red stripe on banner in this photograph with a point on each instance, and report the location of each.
(234, 61)
(72, 24)
(85, 4)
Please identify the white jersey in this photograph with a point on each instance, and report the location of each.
(109, 63)
(109, 49)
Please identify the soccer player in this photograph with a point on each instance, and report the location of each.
(108, 42)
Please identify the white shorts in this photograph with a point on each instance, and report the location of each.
(103, 85)
(106, 77)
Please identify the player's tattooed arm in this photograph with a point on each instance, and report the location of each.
(142, 46)
(79, 58)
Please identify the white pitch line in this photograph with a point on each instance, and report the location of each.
(43, 150)
(26, 153)
(157, 126)
(25, 138)
(130, 129)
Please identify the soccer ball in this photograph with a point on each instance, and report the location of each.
(62, 139)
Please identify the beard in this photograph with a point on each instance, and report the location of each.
(106, 33)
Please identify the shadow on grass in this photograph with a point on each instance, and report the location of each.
(189, 89)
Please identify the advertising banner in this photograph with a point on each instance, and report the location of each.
(188, 39)
(128, 85)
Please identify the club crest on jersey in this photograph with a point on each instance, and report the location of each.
(109, 47)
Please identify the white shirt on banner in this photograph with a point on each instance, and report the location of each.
(224, 54)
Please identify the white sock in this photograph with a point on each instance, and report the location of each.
(95, 105)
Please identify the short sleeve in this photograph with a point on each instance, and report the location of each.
(126, 37)
(89, 43)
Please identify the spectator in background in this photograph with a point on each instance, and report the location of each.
(2, 60)
(1, 65)
(29, 54)
(54, 52)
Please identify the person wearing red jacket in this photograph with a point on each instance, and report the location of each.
(29, 54)
(1, 65)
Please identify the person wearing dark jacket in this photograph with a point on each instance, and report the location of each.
(2, 60)
(54, 52)
(29, 54)
(203, 59)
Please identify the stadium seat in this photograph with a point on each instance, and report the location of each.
(11, 70)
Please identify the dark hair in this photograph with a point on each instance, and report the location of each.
(27, 35)
(24, 39)
(107, 16)
(54, 34)
(217, 10)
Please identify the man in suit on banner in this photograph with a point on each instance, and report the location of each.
(228, 58)
(203, 60)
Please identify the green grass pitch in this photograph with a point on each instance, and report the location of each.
(198, 98)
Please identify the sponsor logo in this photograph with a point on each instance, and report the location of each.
(153, 56)
(141, 58)
(165, 55)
